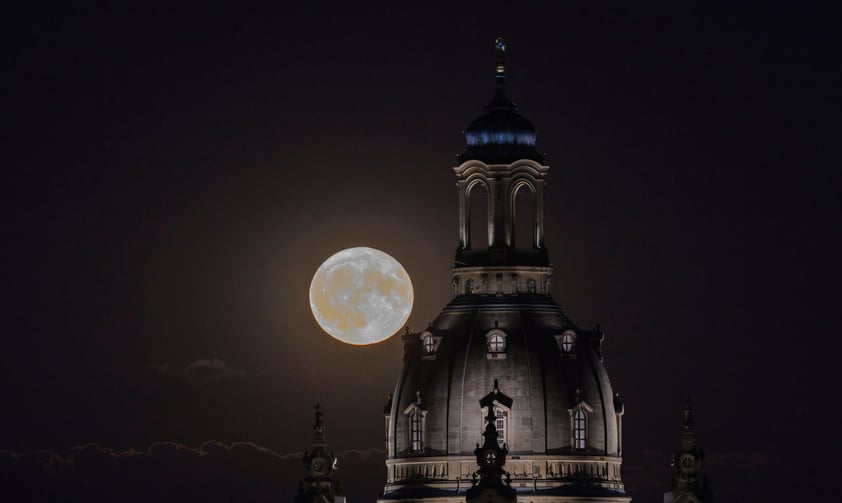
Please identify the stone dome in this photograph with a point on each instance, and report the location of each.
(537, 378)
(500, 134)
(503, 349)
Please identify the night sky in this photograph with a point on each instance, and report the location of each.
(172, 178)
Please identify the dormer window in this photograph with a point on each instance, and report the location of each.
(495, 344)
(416, 419)
(567, 343)
(416, 440)
(579, 429)
(429, 344)
(501, 422)
(579, 423)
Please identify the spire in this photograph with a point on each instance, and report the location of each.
(500, 101)
(319, 439)
(688, 415)
(500, 76)
(687, 465)
(491, 486)
(319, 463)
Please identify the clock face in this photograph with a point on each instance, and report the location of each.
(687, 461)
(318, 465)
(490, 457)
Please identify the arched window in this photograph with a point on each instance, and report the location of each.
(568, 342)
(416, 439)
(530, 285)
(496, 343)
(579, 429)
(500, 422)
(429, 344)
(415, 415)
(469, 286)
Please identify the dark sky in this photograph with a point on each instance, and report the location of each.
(174, 176)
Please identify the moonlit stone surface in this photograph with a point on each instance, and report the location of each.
(361, 296)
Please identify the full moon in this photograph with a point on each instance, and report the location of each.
(361, 296)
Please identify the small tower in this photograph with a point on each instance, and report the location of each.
(502, 165)
(491, 457)
(318, 487)
(689, 484)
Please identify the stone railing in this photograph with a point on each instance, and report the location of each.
(549, 470)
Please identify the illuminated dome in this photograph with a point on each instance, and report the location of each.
(503, 349)
(500, 135)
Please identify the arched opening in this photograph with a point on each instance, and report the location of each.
(524, 217)
(477, 217)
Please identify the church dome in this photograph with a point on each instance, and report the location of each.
(552, 397)
(503, 349)
(500, 134)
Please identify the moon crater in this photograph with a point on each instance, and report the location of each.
(361, 296)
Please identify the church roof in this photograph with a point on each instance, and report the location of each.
(500, 134)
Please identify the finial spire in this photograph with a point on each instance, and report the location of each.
(319, 426)
(500, 45)
(688, 415)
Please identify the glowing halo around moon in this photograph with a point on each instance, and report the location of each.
(361, 296)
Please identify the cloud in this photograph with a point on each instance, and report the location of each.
(204, 449)
(210, 370)
(171, 471)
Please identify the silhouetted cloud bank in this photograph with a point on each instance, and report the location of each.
(170, 471)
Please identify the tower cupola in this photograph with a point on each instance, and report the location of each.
(500, 182)
(500, 134)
